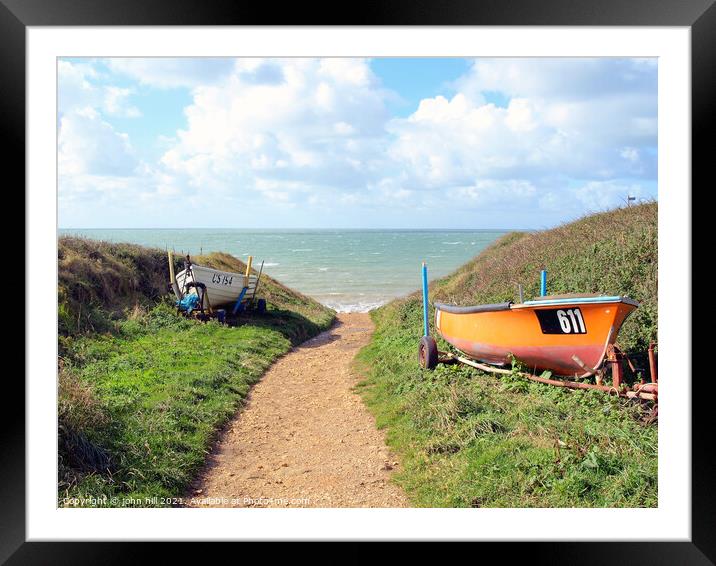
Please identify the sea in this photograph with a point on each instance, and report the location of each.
(347, 270)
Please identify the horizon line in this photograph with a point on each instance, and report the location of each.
(302, 228)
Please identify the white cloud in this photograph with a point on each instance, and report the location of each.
(559, 119)
(115, 102)
(454, 143)
(597, 195)
(87, 145)
(630, 154)
(79, 88)
(95, 162)
(549, 135)
(520, 116)
(606, 100)
(170, 72)
(343, 129)
(491, 191)
(564, 78)
(75, 90)
(320, 125)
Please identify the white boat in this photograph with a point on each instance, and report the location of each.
(223, 288)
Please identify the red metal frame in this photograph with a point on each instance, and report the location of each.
(615, 357)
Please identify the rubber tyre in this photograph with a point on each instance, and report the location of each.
(428, 352)
(261, 306)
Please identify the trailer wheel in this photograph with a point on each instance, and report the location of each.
(428, 353)
(261, 306)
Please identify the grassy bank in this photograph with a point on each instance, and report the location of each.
(142, 391)
(469, 439)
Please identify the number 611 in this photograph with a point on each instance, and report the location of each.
(571, 321)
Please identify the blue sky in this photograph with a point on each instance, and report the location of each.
(352, 143)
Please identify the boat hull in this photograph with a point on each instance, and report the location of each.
(222, 287)
(543, 335)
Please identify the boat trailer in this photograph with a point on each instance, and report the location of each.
(429, 356)
(199, 306)
(647, 391)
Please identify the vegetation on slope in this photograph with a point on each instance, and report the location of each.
(99, 281)
(298, 316)
(142, 390)
(473, 439)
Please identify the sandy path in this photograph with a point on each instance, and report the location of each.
(304, 439)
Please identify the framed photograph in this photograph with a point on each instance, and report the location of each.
(395, 278)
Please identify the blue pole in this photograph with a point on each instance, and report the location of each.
(425, 299)
(543, 285)
(237, 306)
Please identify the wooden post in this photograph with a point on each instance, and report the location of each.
(258, 280)
(172, 277)
(171, 266)
(652, 363)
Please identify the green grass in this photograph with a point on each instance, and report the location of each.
(99, 281)
(469, 439)
(140, 401)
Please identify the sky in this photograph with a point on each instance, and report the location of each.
(352, 143)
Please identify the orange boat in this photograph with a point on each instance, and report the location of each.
(566, 334)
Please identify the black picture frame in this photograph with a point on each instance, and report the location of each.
(17, 15)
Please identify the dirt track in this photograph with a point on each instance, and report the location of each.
(304, 439)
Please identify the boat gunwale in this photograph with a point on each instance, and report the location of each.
(533, 304)
(602, 300)
(454, 309)
(196, 266)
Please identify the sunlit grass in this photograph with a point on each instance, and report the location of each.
(143, 390)
(470, 439)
